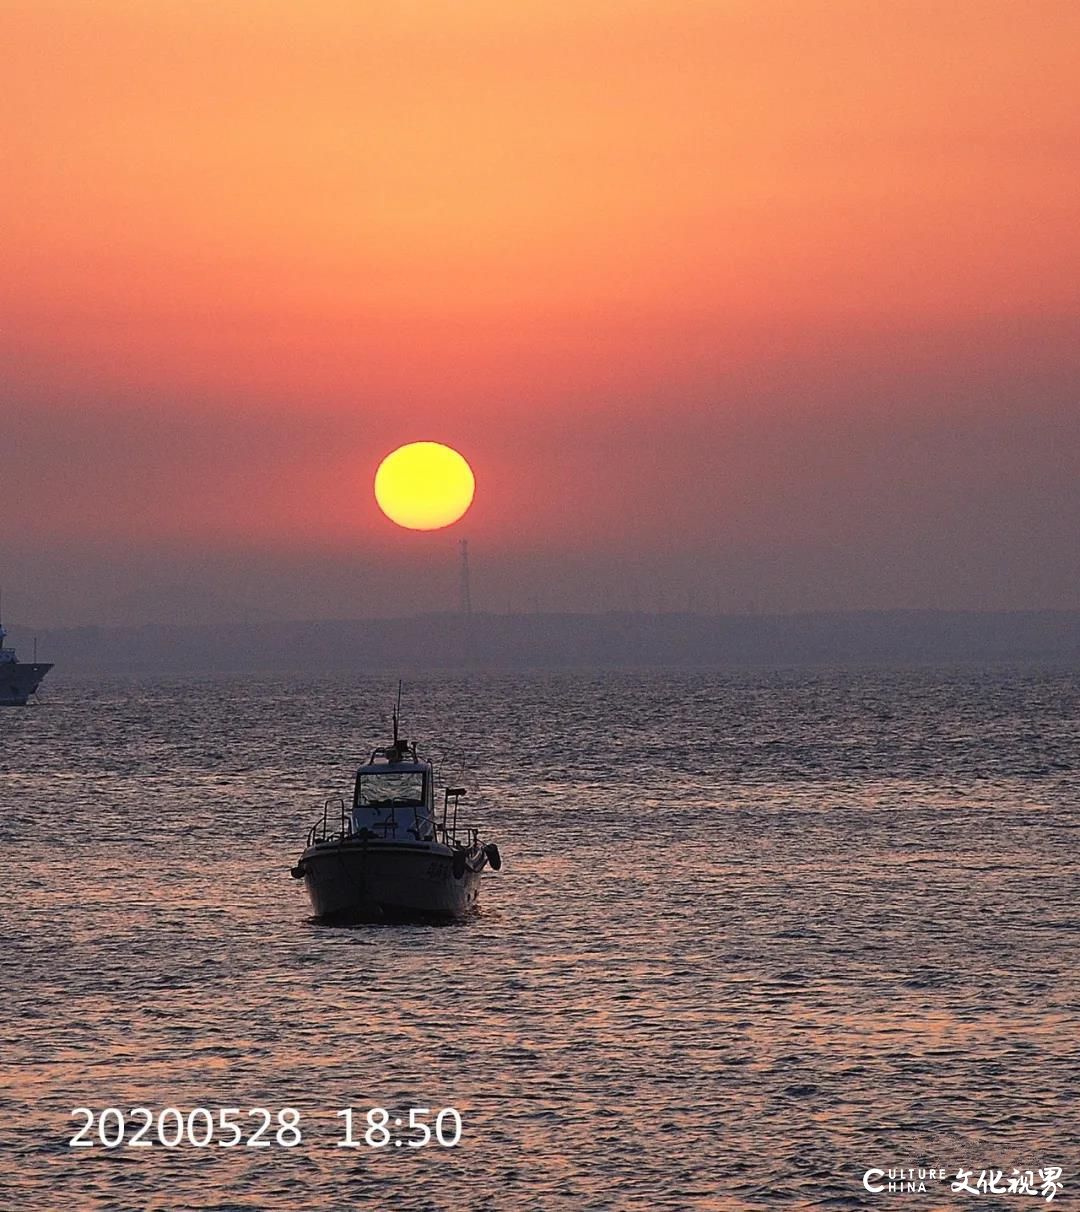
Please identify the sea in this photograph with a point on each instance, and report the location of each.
(784, 939)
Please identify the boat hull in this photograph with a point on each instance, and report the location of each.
(365, 880)
(19, 680)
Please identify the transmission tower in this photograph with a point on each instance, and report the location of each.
(465, 596)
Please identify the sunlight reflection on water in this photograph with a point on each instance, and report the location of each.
(754, 934)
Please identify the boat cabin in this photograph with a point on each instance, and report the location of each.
(393, 799)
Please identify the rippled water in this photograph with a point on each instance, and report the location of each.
(753, 936)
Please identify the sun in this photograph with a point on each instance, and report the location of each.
(424, 486)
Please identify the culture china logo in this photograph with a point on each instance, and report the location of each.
(1044, 1183)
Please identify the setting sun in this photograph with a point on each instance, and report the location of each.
(424, 486)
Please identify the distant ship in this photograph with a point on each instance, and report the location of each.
(18, 679)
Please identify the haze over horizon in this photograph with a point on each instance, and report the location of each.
(753, 306)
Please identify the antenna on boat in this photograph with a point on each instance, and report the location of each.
(397, 713)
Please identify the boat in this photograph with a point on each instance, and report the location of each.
(18, 679)
(390, 854)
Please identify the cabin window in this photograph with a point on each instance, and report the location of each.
(405, 788)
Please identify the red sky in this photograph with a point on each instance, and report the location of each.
(728, 304)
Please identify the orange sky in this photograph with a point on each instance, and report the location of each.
(522, 227)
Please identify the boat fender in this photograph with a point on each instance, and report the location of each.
(297, 872)
(493, 856)
(459, 864)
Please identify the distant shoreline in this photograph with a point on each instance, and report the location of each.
(569, 641)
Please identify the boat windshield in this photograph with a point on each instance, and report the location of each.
(397, 787)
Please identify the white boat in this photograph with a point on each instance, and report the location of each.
(391, 854)
(18, 679)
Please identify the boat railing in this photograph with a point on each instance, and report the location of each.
(332, 825)
(448, 830)
(463, 837)
(336, 824)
